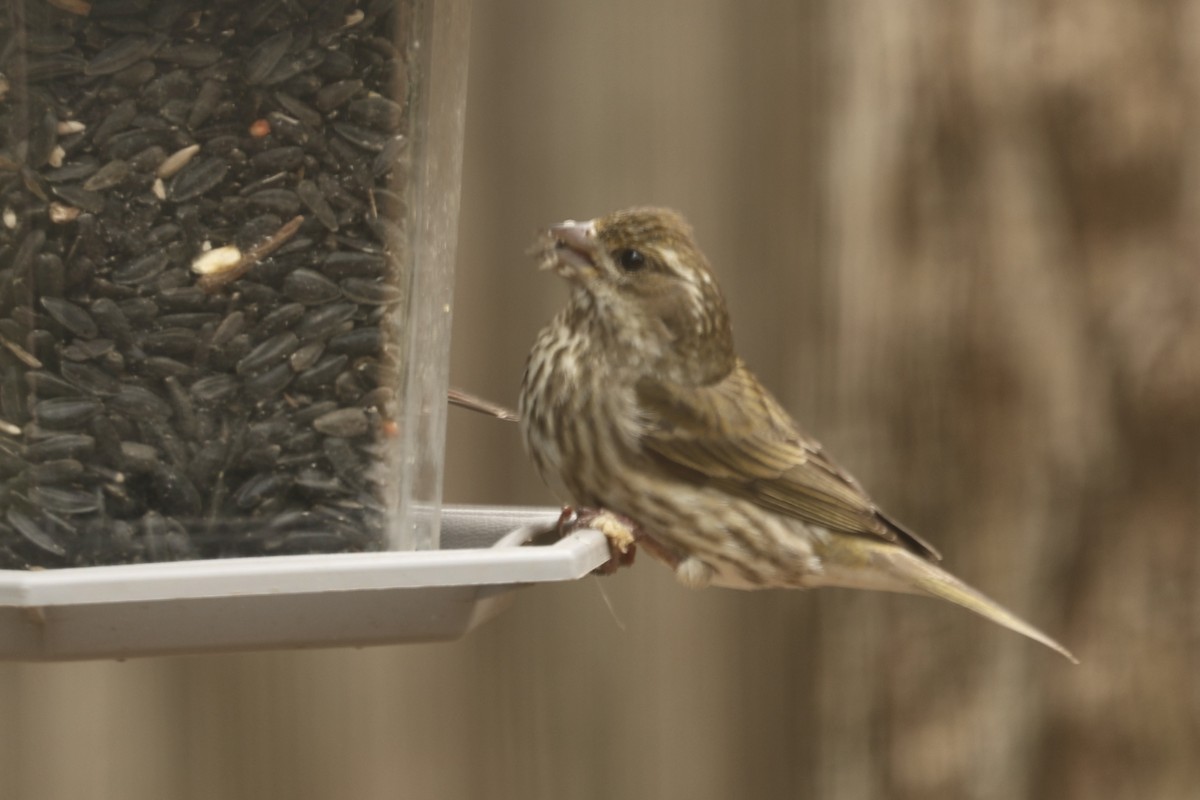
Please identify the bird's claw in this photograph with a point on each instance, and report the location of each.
(620, 532)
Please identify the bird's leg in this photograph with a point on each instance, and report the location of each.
(566, 521)
(621, 533)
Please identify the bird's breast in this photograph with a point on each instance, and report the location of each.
(577, 420)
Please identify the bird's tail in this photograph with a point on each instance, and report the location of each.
(860, 563)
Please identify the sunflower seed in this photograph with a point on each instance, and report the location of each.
(121, 54)
(314, 199)
(344, 422)
(47, 384)
(129, 143)
(319, 482)
(197, 178)
(268, 354)
(270, 383)
(217, 260)
(358, 342)
(34, 533)
(259, 487)
(65, 500)
(348, 263)
(139, 458)
(67, 445)
(117, 120)
(140, 310)
(70, 316)
(74, 171)
(55, 66)
(263, 58)
(58, 470)
(90, 379)
(163, 367)
(65, 412)
(292, 66)
(281, 319)
(324, 321)
(310, 287)
(165, 538)
(377, 112)
(190, 319)
(175, 491)
(305, 356)
(206, 103)
(322, 373)
(359, 136)
(278, 159)
(370, 292)
(214, 389)
(176, 161)
(175, 342)
(111, 320)
(141, 269)
(305, 416)
(78, 197)
(138, 401)
(341, 457)
(191, 54)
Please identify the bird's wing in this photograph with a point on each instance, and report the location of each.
(732, 434)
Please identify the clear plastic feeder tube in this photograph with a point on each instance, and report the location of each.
(226, 251)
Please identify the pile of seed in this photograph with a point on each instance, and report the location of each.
(203, 270)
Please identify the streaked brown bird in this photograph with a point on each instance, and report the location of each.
(634, 401)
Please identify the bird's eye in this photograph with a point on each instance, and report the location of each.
(630, 260)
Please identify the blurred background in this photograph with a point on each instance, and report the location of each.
(958, 241)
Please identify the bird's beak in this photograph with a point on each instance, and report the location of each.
(574, 249)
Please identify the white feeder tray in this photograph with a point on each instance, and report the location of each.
(350, 599)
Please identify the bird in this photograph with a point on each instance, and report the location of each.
(635, 406)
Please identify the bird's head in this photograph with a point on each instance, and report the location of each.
(641, 275)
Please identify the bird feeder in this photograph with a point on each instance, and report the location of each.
(227, 237)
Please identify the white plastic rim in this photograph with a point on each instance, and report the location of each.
(290, 601)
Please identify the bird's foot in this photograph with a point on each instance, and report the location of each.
(621, 532)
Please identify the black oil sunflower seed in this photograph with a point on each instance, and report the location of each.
(72, 317)
(65, 412)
